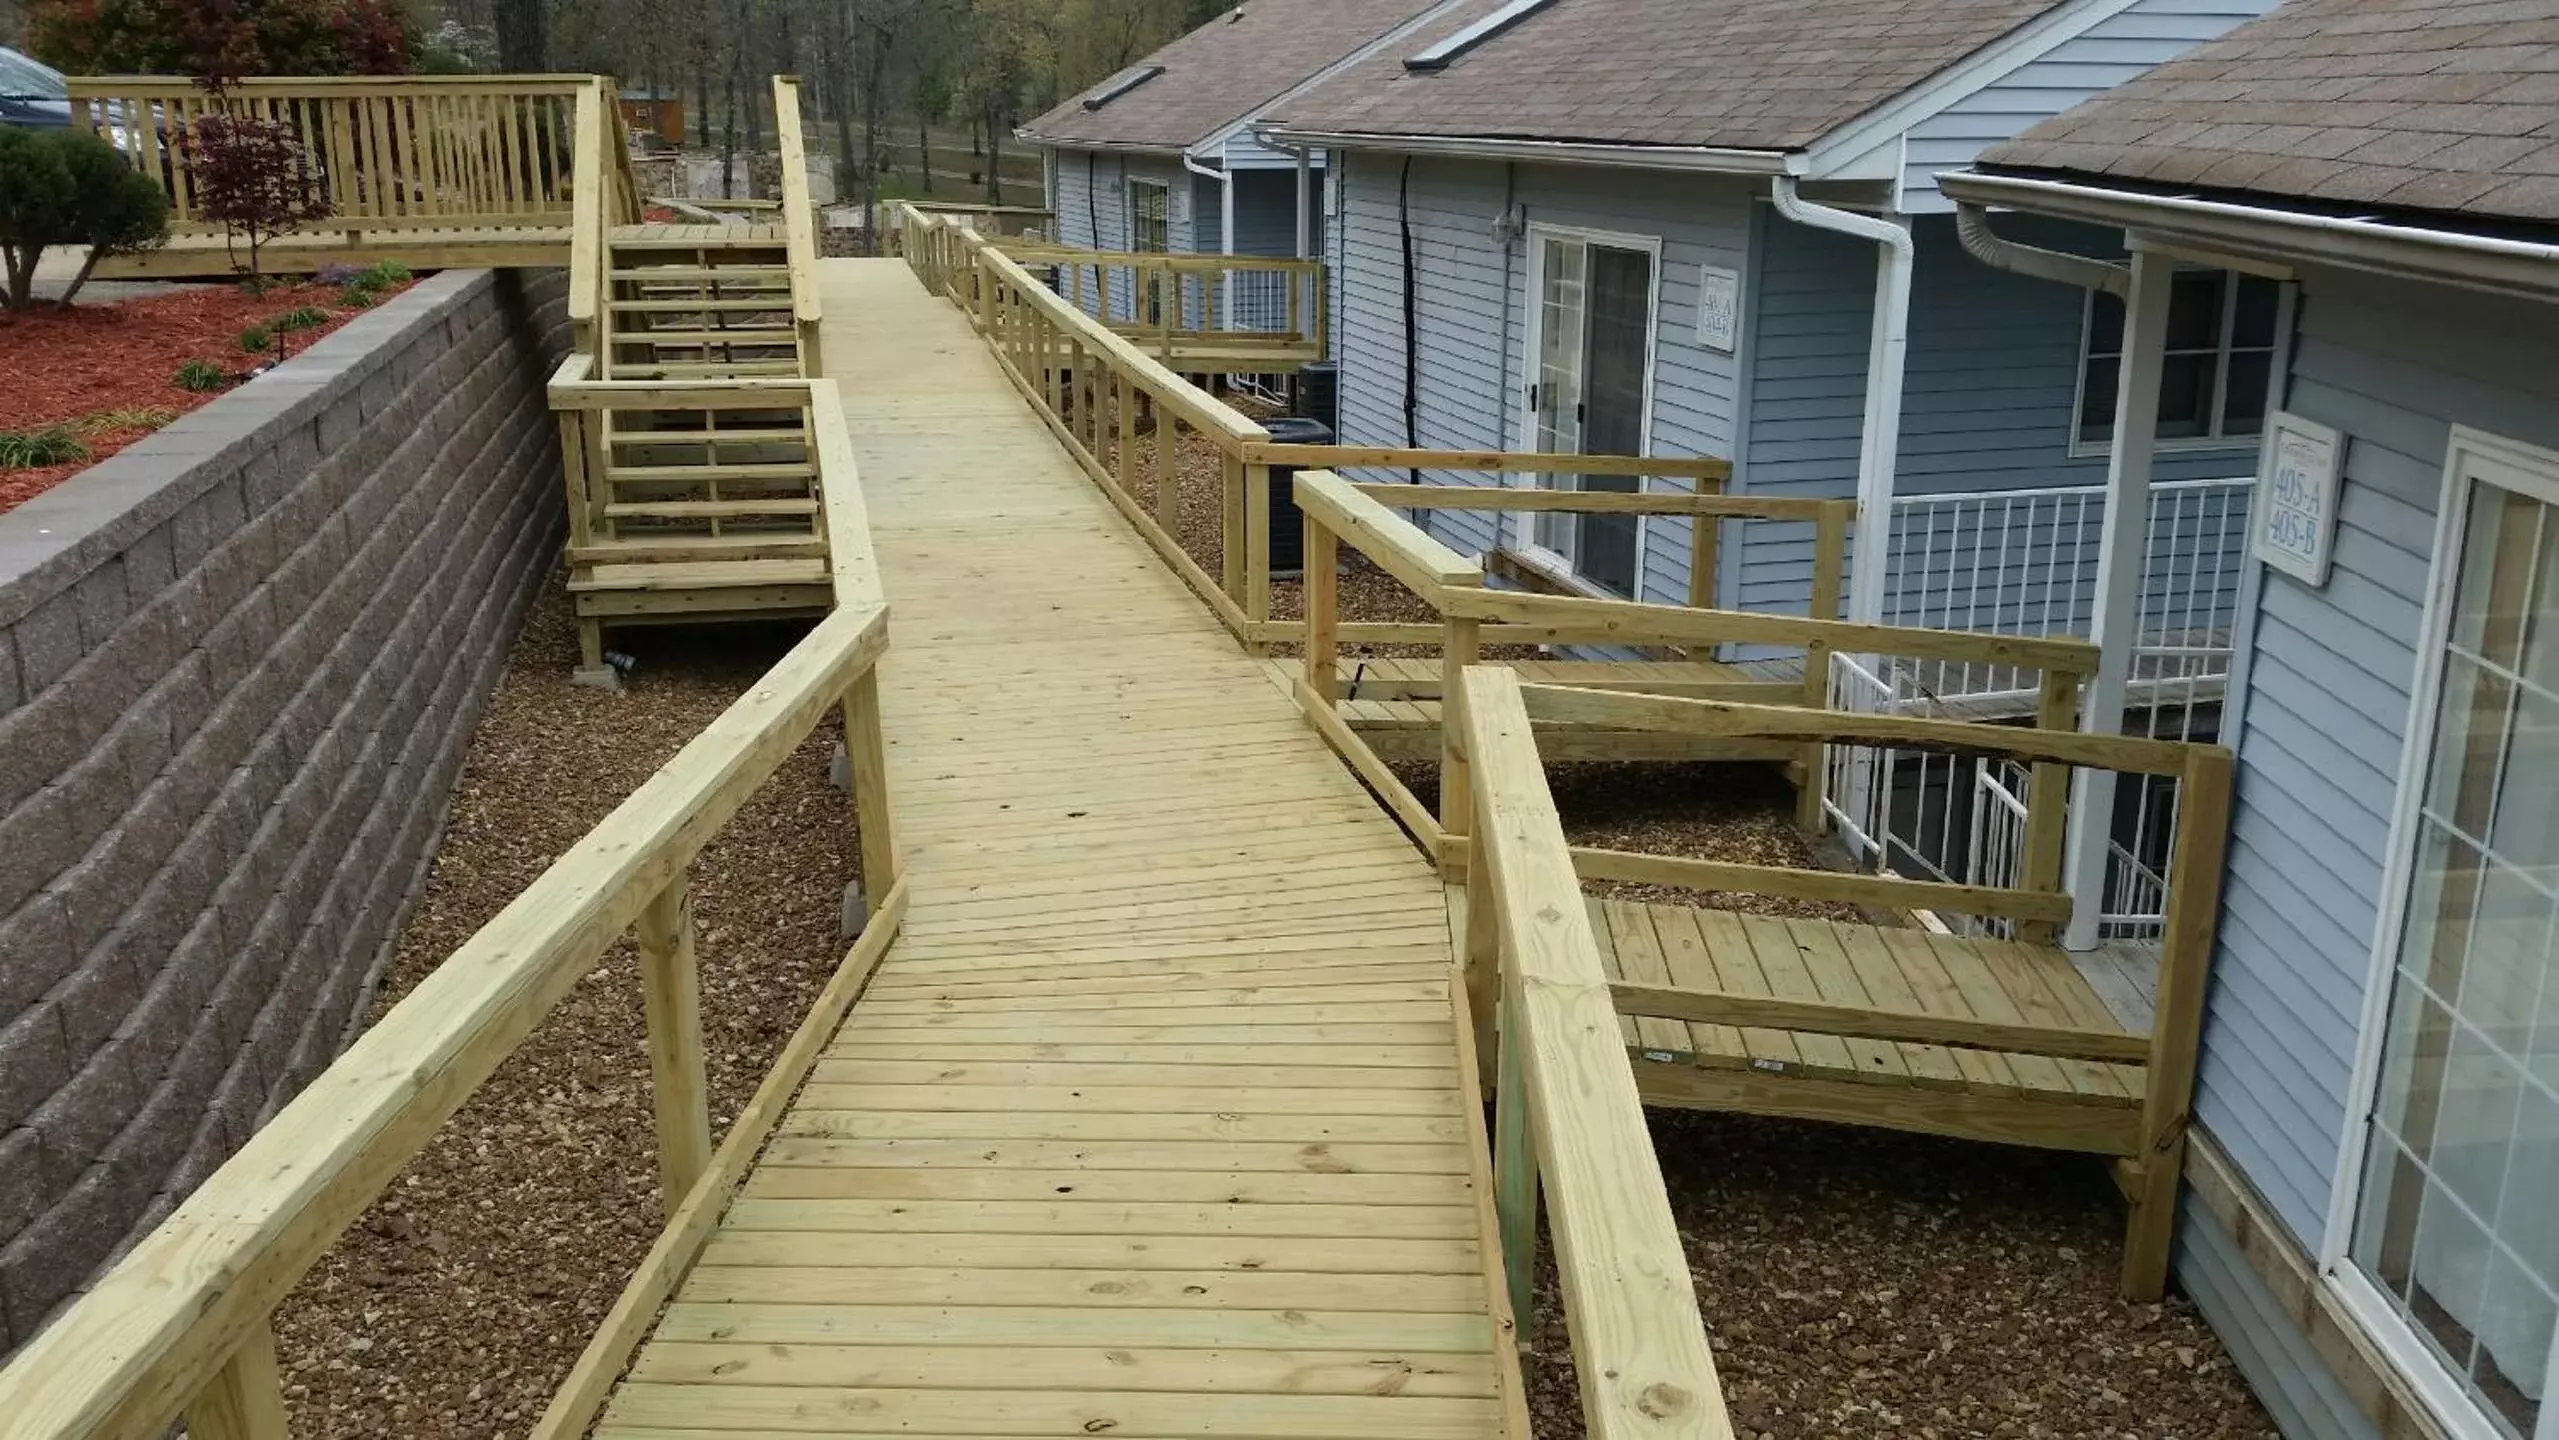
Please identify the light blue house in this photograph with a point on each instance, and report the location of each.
(1715, 229)
(2375, 1220)
(1161, 156)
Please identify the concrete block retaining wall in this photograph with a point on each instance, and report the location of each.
(239, 667)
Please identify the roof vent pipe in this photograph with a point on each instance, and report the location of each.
(1972, 226)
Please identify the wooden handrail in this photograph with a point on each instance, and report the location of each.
(118, 87)
(799, 227)
(1341, 457)
(388, 156)
(586, 219)
(1400, 548)
(1590, 502)
(1567, 1109)
(1732, 719)
(1574, 619)
(161, 1327)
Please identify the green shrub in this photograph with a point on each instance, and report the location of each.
(257, 340)
(301, 317)
(200, 376)
(68, 187)
(33, 449)
(105, 422)
(356, 295)
(385, 274)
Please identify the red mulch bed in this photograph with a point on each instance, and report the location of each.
(59, 365)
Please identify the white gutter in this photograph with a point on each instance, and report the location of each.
(1225, 226)
(1972, 226)
(1886, 351)
(1707, 159)
(2450, 257)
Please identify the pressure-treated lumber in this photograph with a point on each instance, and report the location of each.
(1638, 1341)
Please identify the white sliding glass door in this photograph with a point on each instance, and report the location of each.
(2456, 1220)
(1590, 379)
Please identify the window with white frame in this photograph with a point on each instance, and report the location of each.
(2456, 1219)
(1149, 210)
(2217, 370)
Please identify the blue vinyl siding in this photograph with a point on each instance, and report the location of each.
(2328, 680)
(2102, 57)
(1988, 388)
(2264, 1340)
(1472, 324)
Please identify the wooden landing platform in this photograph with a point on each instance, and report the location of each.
(2071, 1104)
(1157, 1120)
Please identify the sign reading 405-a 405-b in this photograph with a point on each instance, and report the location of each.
(2295, 522)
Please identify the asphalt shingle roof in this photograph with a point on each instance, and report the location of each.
(1741, 74)
(2437, 105)
(1224, 71)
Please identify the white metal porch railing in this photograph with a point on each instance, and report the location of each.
(2024, 562)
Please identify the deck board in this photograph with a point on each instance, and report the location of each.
(1151, 1122)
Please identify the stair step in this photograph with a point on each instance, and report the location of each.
(641, 474)
(775, 301)
(700, 575)
(702, 437)
(698, 274)
(740, 336)
(705, 509)
(647, 549)
(708, 370)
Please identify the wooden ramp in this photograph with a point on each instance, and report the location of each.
(1157, 1119)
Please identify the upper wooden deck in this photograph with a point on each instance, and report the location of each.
(1157, 1117)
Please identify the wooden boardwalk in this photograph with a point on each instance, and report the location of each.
(1155, 1120)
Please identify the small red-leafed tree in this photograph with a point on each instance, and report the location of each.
(255, 178)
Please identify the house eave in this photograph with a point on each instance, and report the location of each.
(2448, 257)
(1690, 159)
(1106, 147)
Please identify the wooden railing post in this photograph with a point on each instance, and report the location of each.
(2048, 800)
(1168, 470)
(1235, 528)
(1257, 555)
(1124, 460)
(1830, 561)
(1461, 647)
(1482, 964)
(2185, 959)
(245, 1400)
(1323, 589)
(1514, 1149)
(671, 985)
(867, 765)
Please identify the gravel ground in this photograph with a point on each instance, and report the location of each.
(1861, 1282)
(458, 1302)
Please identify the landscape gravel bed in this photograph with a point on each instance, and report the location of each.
(455, 1306)
(1861, 1282)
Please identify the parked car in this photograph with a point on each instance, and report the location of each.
(32, 93)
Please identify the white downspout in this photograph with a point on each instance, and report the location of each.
(1886, 352)
(2122, 560)
(1226, 226)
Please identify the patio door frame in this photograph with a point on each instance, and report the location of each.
(2400, 1345)
(1522, 531)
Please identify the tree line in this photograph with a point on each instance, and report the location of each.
(875, 71)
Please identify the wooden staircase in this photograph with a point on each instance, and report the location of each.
(693, 455)
(699, 302)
